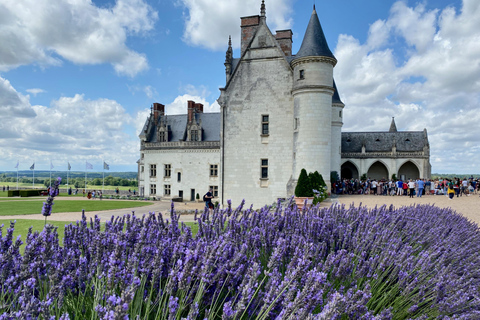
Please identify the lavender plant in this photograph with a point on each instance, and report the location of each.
(53, 192)
(417, 262)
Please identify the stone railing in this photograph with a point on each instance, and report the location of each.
(418, 154)
(181, 145)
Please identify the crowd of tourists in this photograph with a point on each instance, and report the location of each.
(410, 187)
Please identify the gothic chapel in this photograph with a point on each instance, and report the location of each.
(279, 112)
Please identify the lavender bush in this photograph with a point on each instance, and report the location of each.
(417, 262)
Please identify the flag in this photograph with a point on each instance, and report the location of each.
(51, 165)
(106, 166)
(33, 166)
(69, 167)
(16, 167)
(88, 165)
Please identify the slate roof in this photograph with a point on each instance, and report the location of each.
(314, 42)
(177, 125)
(406, 141)
(336, 96)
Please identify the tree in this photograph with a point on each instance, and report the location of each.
(334, 177)
(304, 187)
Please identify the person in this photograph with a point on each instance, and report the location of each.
(451, 190)
(411, 186)
(3, 188)
(208, 199)
(421, 185)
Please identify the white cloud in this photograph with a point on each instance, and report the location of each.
(36, 31)
(35, 91)
(13, 103)
(208, 23)
(71, 128)
(434, 84)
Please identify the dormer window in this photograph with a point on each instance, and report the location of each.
(407, 140)
(378, 140)
(302, 74)
(194, 135)
(162, 136)
(349, 140)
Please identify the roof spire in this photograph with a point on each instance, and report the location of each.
(314, 42)
(393, 127)
(262, 9)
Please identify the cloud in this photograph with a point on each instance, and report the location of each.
(71, 128)
(422, 67)
(13, 103)
(35, 91)
(45, 32)
(208, 23)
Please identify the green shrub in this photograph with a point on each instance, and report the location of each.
(304, 187)
(31, 192)
(13, 193)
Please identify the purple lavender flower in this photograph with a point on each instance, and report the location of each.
(47, 206)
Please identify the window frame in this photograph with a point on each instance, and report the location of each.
(167, 189)
(167, 170)
(214, 170)
(215, 191)
(153, 170)
(265, 125)
(153, 189)
(264, 169)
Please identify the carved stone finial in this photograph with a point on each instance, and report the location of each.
(262, 9)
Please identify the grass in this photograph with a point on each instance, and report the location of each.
(22, 207)
(22, 226)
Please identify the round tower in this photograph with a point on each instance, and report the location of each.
(312, 92)
(337, 123)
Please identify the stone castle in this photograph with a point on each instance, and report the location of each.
(279, 113)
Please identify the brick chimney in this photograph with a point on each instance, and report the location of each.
(249, 26)
(284, 39)
(191, 110)
(158, 110)
(198, 107)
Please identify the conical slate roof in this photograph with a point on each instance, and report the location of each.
(336, 96)
(393, 126)
(314, 42)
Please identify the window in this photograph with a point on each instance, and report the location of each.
(153, 170)
(302, 74)
(141, 168)
(153, 189)
(168, 171)
(264, 168)
(179, 176)
(213, 170)
(215, 190)
(340, 114)
(265, 124)
(161, 136)
(166, 190)
(194, 135)
(295, 124)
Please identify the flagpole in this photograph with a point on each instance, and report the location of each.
(103, 180)
(85, 177)
(67, 174)
(17, 176)
(33, 175)
(50, 173)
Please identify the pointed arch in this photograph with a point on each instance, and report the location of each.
(349, 171)
(378, 170)
(408, 170)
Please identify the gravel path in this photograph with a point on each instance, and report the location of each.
(468, 206)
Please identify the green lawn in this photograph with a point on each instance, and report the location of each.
(32, 207)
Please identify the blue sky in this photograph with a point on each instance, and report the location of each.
(77, 78)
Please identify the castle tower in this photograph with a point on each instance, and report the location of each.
(312, 92)
(337, 123)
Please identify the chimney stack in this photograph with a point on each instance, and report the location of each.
(284, 39)
(158, 110)
(249, 26)
(198, 107)
(191, 110)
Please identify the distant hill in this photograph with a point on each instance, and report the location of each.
(455, 175)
